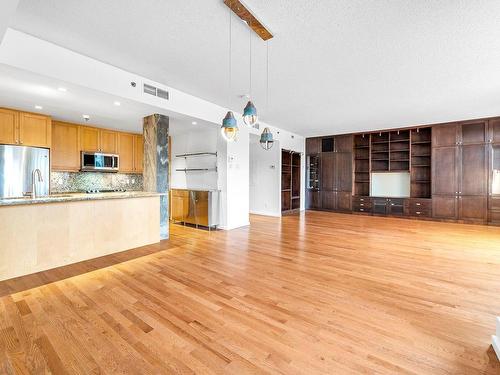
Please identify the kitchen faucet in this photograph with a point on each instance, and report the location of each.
(35, 173)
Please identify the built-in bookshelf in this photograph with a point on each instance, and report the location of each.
(421, 148)
(362, 164)
(290, 181)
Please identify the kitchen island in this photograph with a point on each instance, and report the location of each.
(48, 232)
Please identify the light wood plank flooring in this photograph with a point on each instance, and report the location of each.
(318, 293)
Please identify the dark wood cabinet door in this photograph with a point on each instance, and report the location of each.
(327, 171)
(473, 132)
(329, 200)
(344, 143)
(444, 135)
(474, 170)
(444, 171)
(344, 200)
(313, 145)
(313, 199)
(396, 207)
(445, 207)
(379, 206)
(494, 133)
(473, 208)
(343, 171)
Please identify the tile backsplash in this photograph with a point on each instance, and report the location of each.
(63, 182)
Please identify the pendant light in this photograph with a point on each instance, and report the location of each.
(250, 111)
(266, 138)
(229, 128)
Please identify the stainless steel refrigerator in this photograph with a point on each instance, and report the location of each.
(17, 164)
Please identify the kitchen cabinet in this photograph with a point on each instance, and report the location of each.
(65, 149)
(126, 147)
(35, 130)
(98, 140)
(139, 154)
(9, 125)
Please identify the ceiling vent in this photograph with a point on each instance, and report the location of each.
(155, 91)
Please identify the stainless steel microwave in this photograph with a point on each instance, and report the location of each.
(99, 162)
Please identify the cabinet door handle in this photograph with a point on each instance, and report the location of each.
(361, 209)
(418, 204)
(418, 212)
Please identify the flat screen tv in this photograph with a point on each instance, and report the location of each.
(390, 184)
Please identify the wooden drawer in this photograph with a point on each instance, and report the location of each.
(362, 204)
(494, 203)
(358, 199)
(420, 212)
(362, 209)
(420, 204)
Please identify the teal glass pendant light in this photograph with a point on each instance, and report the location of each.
(266, 139)
(250, 114)
(229, 128)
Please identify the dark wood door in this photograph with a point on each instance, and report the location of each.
(445, 207)
(329, 200)
(474, 169)
(343, 171)
(445, 135)
(313, 145)
(327, 171)
(473, 208)
(344, 143)
(444, 171)
(494, 133)
(344, 200)
(395, 207)
(379, 206)
(473, 132)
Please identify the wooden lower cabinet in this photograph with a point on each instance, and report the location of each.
(313, 199)
(329, 200)
(336, 201)
(344, 200)
(473, 208)
(445, 207)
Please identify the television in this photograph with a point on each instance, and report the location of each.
(390, 184)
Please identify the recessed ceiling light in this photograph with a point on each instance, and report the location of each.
(62, 89)
(86, 117)
(38, 107)
(117, 103)
(194, 123)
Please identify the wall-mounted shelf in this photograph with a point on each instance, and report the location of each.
(196, 154)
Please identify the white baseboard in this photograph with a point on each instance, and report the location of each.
(265, 213)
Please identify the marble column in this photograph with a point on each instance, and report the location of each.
(155, 173)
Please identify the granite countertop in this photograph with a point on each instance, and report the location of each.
(194, 189)
(75, 197)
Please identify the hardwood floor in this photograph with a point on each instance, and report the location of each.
(318, 293)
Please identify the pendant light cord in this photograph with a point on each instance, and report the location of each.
(230, 50)
(267, 79)
(250, 35)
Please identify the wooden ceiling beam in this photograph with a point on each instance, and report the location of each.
(246, 15)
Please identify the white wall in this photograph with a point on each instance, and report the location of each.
(264, 178)
(203, 140)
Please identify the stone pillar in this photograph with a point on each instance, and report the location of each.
(155, 172)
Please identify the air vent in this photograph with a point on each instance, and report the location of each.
(256, 126)
(151, 90)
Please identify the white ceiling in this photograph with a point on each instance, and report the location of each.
(24, 90)
(335, 66)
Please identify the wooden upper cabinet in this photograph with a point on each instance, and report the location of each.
(445, 173)
(65, 147)
(344, 143)
(139, 154)
(108, 141)
(35, 130)
(494, 130)
(473, 132)
(89, 139)
(313, 145)
(474, 169)
(327, 171)
(9, 125)
(343, 171)
(126, 144)
(445, 135)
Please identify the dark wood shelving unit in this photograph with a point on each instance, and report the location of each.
(421, 163)
(290, 181)
(362, 164)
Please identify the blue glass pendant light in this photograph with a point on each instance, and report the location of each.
(229, 128)
(266, 139)
(250, 114)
